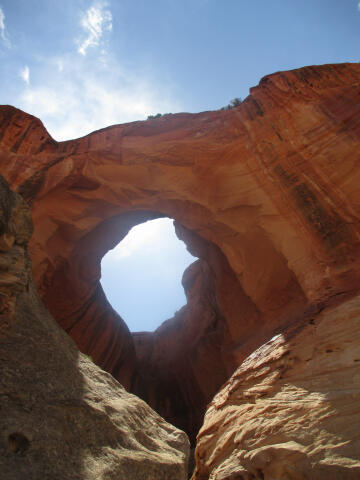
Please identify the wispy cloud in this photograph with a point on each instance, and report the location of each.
(25, 74)
(82, 97)
(359, 6)
(3, 33)
(94, 21)
(152, 239)
(74, 95)
(144, 235)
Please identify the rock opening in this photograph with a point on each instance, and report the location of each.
(141, 276)
(266, 195)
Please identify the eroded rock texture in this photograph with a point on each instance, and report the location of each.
(188, 357)
(61, 416)
(292, 409)
(266, 193)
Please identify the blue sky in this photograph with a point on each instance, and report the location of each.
(143, 273)
(81, 65)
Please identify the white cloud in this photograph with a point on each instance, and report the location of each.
(3, 34)
(82, 97)
(140, 236)
(45, 100)
(25, 74)
(359, 6)
(73, 95)
(94, 21)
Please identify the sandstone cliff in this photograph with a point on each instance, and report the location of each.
(292, 409)
(266, 194)
(61, 416)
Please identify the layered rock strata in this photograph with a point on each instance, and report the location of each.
(61, 416)
(292, 409)
(267, 192)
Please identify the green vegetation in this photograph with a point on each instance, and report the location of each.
(158, 115)
(235, 102)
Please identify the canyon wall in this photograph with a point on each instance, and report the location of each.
(292, 409)
(266, 194)
(61, 415)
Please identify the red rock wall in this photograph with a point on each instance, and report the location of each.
(267, 191)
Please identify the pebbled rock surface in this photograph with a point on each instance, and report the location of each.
(61, 416)
(292, 409)
(267, 193)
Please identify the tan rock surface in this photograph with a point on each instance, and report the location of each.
(61, 416)
(267, 192)
(292, 409)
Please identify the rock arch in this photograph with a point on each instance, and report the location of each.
(256, 191)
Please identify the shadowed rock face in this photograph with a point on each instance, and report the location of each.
(266, 195)
(61, 415)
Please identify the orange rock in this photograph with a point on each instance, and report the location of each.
(267, 193)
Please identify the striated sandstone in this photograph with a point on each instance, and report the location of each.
(61, 416)
(292, 409)
(267, 193)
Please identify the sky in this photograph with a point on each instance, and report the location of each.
(81, 65)
(143, 274)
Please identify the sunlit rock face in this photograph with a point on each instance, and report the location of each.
(292, 409)
(266, 195)
(61, 415)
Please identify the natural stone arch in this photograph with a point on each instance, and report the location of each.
(68, 281)
(256, 187)
(218, 315)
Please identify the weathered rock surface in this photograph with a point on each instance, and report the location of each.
(61, 417)
(292, 409)
(15, 231)
(268, 193)
(188, 357)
